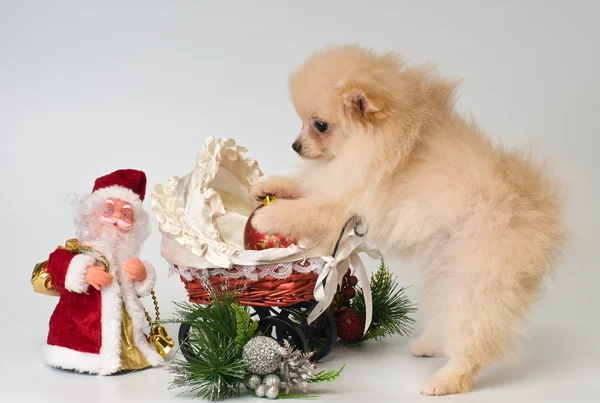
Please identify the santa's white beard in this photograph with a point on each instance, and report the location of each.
(114, 243)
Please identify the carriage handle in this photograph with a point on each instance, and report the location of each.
(358, 220)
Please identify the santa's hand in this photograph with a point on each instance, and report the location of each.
(97, 277)
(135, 268)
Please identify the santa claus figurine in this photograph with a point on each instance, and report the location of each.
(99, 322)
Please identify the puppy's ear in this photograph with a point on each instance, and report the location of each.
(360, 104)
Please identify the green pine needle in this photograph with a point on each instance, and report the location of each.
(327, 376)
(391, 306)
(214, 373)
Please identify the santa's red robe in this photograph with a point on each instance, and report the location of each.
(85, 328)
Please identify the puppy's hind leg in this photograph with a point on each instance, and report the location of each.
(485, 311)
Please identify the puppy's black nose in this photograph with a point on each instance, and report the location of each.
(297, 146)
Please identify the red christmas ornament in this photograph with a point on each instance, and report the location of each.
(254, 240)
(350, 325)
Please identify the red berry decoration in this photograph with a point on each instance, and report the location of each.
(349, 293)
(348, 273)
(352, 281)
(350, 325)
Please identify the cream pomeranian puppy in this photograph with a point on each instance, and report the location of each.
(382, 140)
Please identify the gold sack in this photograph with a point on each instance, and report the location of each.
(42, 280)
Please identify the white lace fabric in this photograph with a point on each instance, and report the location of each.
(279, 271)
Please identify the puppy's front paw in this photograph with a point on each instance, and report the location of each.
(280, 187)
(273, 219)
(261, 190)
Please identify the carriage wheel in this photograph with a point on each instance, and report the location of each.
(321, 334)
(283, 329)
(263, 312)
(271, 321)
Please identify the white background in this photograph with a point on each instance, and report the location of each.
(89, 87)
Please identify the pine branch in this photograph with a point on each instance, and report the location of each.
(391, 306)
(215, 369)
(327, 376)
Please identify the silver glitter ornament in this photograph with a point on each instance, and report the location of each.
(261, 390)
(253, 382)
(262, 355)
(272, 380)
(272, 392)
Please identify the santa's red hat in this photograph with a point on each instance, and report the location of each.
(128, 185)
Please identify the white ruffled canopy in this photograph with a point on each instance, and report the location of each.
(202, 216)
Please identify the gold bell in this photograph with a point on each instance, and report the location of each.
(161, 340)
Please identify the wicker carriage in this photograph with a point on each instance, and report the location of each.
(201, 218)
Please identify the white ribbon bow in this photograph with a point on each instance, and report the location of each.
(333, 272)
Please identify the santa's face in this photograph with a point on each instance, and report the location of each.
(116, 213)
(111, 225)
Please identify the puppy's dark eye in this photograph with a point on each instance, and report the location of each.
(321, 127)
